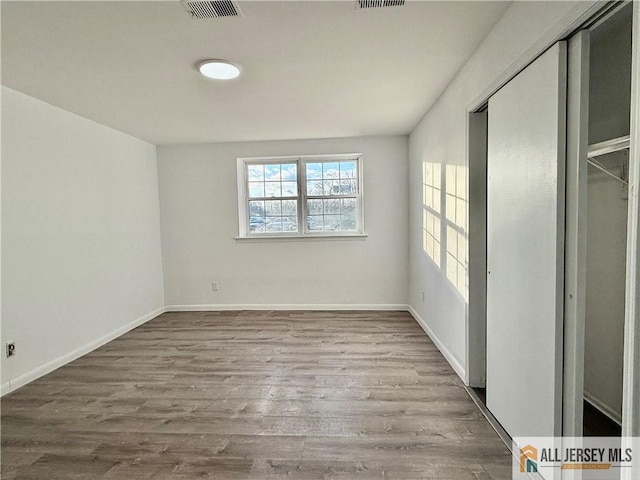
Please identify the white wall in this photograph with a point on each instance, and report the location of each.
(610, 77)
(441, 138)
(198, 200)
(81, 258)
(606, 257)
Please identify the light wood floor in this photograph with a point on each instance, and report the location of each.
(254, 395)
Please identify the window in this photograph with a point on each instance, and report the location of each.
(300, 196)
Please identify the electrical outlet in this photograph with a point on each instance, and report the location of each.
(11, 349)
(214, 286)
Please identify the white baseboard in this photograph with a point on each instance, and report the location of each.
(303, 306)
(459, 369)
(48, 367)
(603, 408)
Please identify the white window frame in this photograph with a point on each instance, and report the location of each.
(301, 161)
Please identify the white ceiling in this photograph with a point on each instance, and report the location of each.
(309, 69)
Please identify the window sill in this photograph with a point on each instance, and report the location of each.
(303, 238)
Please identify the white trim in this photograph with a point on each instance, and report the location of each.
(455, 364)
(285, 158)
(223, 307)
(305, 238)
(49, 367)
(631, 380)
(603, 408)
(575, 259)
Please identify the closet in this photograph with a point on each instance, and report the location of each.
(607, 211)
(557, 171)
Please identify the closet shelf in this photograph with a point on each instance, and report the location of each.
(608, 146)
(603, 148)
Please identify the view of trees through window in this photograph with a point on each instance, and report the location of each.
(331, 195)
(273, 194)
(326, 191)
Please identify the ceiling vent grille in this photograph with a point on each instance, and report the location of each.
(379, 3)
(213, 9)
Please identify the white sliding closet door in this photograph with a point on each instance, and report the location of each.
(525, 239)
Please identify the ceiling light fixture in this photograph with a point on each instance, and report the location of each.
(218, 69)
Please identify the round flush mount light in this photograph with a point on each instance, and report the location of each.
(218, 69)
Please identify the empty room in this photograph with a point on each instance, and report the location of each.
(381, 239)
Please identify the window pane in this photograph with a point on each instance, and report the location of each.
(289, 189)
(315, 187)
(256, 208)
(331, 187)
(343, 187)
(330, 170)
(314, 222)
(314, 207)
(290, 207)
(331, 207)
(348, 221)
(348, 206)
(273, 208)
(257, 219)
(348, 186)
(289, 171)
(272, 189)
(331, 222)
(257, 224)
(255, 172)
(348, 170)
(314, 171)
(282, 224)
(290, 224)
(274, 225)
(256, 189)
(272, 172)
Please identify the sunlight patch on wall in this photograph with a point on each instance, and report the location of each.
(431, 185)
(456, 222)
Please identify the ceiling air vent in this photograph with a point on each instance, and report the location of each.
(213, 9)
(378, 3)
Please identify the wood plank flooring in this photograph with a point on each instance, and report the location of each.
(254, 395)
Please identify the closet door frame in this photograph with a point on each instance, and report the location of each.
(576, 232)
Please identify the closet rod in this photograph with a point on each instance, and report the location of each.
(603, 169)
(608, 146)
